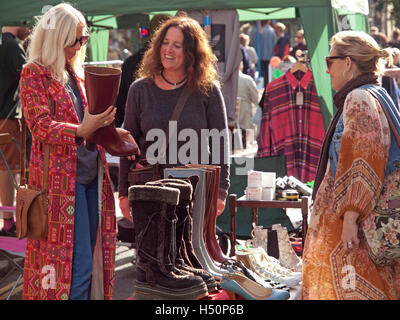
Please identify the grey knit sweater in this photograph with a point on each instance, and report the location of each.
(149, 107)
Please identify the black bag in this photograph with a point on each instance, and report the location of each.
(145, 174)
(126, 231)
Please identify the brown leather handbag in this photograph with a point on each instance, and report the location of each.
(152, 172)
(31, 204)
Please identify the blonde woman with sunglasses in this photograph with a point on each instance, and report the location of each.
(76, 260)
(352, 181)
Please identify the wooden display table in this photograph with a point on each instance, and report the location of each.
(234, 203)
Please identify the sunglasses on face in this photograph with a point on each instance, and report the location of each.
(82, 40)
(329, 60)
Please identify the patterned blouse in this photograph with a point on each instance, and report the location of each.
(329, 272)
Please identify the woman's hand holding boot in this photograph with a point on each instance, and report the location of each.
(92, 122)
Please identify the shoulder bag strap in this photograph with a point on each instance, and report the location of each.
(22, 155)
(177, 111)
(176, 114)
(381, 99)
(392, 127)
(22, 159)
(46, 152)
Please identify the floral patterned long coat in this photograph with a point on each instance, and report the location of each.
(51, 118)
(328, 271)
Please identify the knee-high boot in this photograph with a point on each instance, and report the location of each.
(182, 212)
(101, 84)
(155, 219)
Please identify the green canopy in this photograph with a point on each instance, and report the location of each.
(20, 10)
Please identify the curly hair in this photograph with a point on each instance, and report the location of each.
(200, 61)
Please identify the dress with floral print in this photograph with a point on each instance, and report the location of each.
(328, 271)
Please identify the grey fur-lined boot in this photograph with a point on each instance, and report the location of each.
(153, 209)
(182, 212)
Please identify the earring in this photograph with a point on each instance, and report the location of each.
(352, 75)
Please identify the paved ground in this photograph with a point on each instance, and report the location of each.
(124, 272)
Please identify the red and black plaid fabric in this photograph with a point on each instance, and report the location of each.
(291, 129)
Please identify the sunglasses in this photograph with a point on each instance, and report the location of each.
(329, 60)
(82, 40)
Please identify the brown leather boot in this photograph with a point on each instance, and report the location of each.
(102, 84)
(155, 219)
(210, 217)
(182, 212)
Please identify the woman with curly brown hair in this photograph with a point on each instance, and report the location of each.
(179, 58)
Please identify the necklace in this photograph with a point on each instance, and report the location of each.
(172, 83)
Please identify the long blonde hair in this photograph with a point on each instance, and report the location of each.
(55, 30)
(363, 50)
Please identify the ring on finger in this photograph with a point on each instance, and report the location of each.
(106, 122)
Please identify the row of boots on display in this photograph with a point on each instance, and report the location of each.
(178, 256)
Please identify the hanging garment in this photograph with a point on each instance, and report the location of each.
(226, 46)
(292, 124)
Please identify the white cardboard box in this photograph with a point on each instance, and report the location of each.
(268, 194)
(254, 179)
(269, 179)
(254, 193)
(257, 179)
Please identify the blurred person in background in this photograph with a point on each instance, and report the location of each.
(265, 46)
(131, 66)
(282, 44)
(12, 58)
(300, 44)
(251, 54)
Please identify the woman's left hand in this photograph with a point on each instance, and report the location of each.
(126, 136)
(350, 230)
(220, 206)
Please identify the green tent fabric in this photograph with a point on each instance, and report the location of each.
(20, 10)
(99, 36)
(253, 14)
(317, 31)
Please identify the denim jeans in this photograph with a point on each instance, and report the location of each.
(85, 232)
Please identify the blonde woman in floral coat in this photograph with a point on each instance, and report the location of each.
(76, 261)
(351, 183)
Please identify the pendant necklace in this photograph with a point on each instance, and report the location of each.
(172, 83)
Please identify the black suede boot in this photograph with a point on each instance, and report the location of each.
(187, 250)
(182, 212)
(155, 219)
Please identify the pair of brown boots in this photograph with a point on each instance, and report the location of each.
(166, 266)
